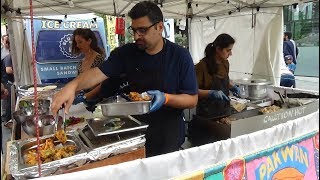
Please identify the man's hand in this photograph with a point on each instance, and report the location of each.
(218, 95)
(158, 100)
(235, 90)
(64, 96)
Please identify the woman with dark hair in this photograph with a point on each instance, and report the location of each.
(85, 41)
(214, 85)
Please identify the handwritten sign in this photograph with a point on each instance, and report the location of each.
(252, 124)
(290, 113)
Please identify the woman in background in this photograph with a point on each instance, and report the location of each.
(214, 85)
(84, 41)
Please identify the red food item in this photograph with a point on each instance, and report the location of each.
(234, 170)
(74, 120)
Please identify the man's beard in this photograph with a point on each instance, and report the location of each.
(141, 44)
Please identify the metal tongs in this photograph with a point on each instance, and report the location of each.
(56, 119)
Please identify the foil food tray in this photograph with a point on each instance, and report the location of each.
(104, 146)
(119, 106)
(23, 91)
(107, 126)
(20, 170)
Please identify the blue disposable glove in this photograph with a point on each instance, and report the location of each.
(218, 95)
(90, 103)
(78, 99)
(235, 90)
(158, 99)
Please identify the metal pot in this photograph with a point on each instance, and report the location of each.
(27, 106)
(46, 125)
(253, 88)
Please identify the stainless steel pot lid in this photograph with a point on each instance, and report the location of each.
(247, 81)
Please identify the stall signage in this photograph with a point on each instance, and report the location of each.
(291, 113)
(111, 32)
(53, 24)
(57, 70)
(168, 31)
(256, 123)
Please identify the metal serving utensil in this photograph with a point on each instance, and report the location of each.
(56, 119)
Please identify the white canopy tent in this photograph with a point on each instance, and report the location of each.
(255, 24)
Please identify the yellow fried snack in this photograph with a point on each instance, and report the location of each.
(47, 145)
(31, 158)
(61, 136)
(135, 96)
(49, 152)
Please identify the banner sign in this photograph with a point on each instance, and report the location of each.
(298, 159)
(111, 32)
(168, 31)
(53, 40)
(120, 26)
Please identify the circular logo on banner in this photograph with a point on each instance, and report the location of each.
(235, 170)
(65, 45)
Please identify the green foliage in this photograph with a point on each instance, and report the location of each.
(305, 27)
(181, 40)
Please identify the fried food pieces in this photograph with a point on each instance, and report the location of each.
(51, 151)
(238, 106)
(135, 96)
(61, 136)
(269, 109)
(226, 120)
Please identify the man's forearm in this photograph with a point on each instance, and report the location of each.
(95, 93)
(182, 101)
(87, 79)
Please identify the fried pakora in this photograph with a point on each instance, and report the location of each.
(61, 136)
(50, 152)
(135, 96)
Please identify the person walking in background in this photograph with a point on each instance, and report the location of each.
(7, 78)
(289, 63)
(6, 58)
(287, 73)
(290, 47)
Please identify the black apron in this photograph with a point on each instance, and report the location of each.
(212, 109)
(164, 132)
(201, 126)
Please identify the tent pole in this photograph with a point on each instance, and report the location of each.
(13, 44)
(189, 32)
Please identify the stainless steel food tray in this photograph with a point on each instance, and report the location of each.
(100, 126)
(119, 106)
(18, 149)
(104, 146)
(93, 141)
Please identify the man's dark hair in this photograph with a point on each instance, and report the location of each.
(3, 36)
(146, 8)
(289, 34)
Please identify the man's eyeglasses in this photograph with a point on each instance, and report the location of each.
(140, 31)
